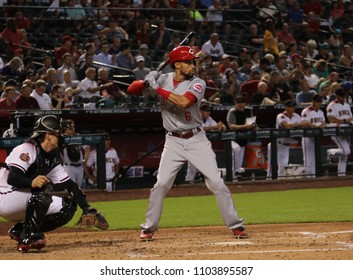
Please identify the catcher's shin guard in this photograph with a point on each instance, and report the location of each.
(61, 218)
(37, 209)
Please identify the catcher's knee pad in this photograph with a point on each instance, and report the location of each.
(62, 217)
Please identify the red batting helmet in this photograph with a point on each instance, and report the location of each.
(181, 53)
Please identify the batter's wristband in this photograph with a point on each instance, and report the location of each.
(163, 92)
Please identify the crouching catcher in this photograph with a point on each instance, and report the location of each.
(26, 188)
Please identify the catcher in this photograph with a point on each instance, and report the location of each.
(26, 188)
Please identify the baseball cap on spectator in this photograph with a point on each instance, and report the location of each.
(228, 72)
(347, 85)
(143, 46)
(68, 38)
(324, 46)
(225, 56)
(18, 51)
(296, 55)
(283, 54)
(243, 50)
(99, 27)
(140, 58)
(240, 99)
(324, 84)
(206, 108)
(317, 98)
(290, 103)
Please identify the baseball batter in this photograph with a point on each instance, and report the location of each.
(26, 186)
(287, 119)
(339, 113)
(314, 116)
(180, 97)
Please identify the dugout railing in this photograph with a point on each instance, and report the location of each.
(272, 135)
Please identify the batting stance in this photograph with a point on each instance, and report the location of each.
(26, 187)
(339, 113)
(315, 117)
(180, 97)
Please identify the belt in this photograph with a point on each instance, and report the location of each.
(285, 144)
(74, 164)
(110, 180)
(185, 134)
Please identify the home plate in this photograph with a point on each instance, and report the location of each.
(233, 243)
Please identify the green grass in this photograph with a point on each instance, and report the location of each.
(294, 206)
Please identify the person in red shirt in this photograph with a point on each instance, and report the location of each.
(21, 21)
(313, 6)
(8, 103)
(25, 101)
(66, 47)
(12, 36)
(285, 36)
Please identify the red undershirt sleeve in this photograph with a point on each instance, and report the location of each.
(192, 98)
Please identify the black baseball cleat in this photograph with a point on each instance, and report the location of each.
(15, 232)
(34, 241)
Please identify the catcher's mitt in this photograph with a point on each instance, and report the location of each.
(92, 218)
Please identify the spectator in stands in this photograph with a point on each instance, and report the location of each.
(324, 91)
(336, 42)
(212, 90)
(175, 41)
(320, 68)
(100, 11)
(313, 52)
(12, 37)
(109, 88)
(114, 30)
(88, 63)
(295, 15)
(114, 48)
(57, 97)
(161, 37)
(306, 33)
(262, 66)
(237, 121)
(125, 59)
(255, 57)
(47, 63)
(280, 89)
(214, 14)
(66, 47)
(11, 69)
(346, 56)
(246, 68)
(305, 96)
(7, 103)
(313, 6)
(70, 83)
(43, 99)
(242, 56)
(69, 100)
(140, 71)
(22, 22)
(213, 47)
(90, 48)
(267, 10)
(262, 95)
(229, 87)
(270, 38)
(25, 101)
(90, 89)
(255, 40)
(325, 53)
(51, 80)
(285, 36)
(339, 113)
(143, 50)
(67, 64)
(143, 34)
(104, 56)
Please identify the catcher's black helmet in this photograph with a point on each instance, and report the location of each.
(48, 124)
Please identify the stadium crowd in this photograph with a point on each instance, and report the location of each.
(76, 54)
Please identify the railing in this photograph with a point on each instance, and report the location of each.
(272, 135)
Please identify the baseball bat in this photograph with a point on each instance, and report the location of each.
(137, 86)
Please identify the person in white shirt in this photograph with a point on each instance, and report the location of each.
(90, 91)
(287, 120)
(339, 113)
(316, 118)
(43, 99)
(104, 56)
(213, 47)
